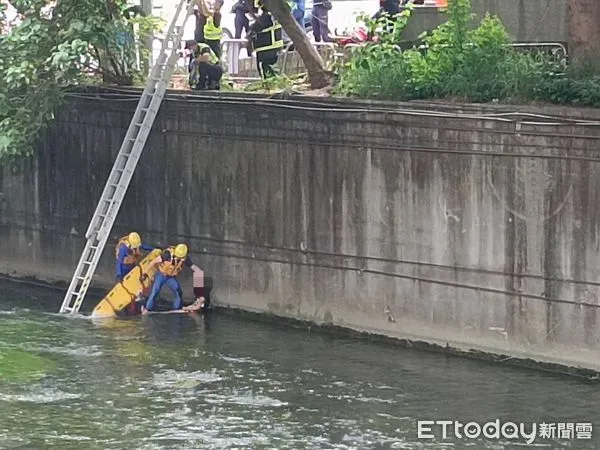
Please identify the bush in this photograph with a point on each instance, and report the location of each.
(456, 62)
(51, 50)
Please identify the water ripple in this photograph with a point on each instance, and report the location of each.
(245, 399)
(240, 360)
(69, 349)
(222, 383)
(40, 396)
(169, 379)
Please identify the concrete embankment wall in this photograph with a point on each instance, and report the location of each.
(448, 224)
(525, 20)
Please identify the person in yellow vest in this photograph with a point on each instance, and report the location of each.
(267, 41)
(204, 67)
(213, 33)
(128, 253)
(170, 264)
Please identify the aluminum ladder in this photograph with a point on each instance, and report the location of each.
(126, 162)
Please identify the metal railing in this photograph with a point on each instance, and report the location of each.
(556, 49)
(230, 56)
(328, 46)
(231, 49)
(332, 53)
(532, 45)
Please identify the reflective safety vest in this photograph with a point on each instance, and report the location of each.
(194, 69)
(173, 267)
(133, 254)
(211, 32)
(213, 59)
(268, 39)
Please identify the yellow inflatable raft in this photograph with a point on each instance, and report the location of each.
(122, 294)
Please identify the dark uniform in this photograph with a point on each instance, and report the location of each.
(200, 22)
(242, 23)
(267, 41)
(203, 75)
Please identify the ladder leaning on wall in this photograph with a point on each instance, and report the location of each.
(126, 162)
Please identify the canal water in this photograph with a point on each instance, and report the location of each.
(223, 382)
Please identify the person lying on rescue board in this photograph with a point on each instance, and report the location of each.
(170, 264)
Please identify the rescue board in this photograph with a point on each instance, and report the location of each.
(175, 311)
(123, 293)
(195, 308)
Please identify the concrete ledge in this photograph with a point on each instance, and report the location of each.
(182, 95)
(58, 286)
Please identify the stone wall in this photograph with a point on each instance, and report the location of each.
(459, 224)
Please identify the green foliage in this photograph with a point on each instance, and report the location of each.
(376, 60)
(582, 89)
(458, 62)
(50, 50)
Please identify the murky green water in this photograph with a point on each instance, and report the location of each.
(179, 382)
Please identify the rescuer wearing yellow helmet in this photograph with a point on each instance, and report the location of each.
(170, 264)
(128, 253)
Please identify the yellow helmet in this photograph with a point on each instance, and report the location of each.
(181, 251)
(134, 240)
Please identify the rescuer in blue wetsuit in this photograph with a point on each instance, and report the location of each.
(129, 253)
(170, 264)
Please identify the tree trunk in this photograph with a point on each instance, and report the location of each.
(584, 33)
(146, 62)
(318, 75)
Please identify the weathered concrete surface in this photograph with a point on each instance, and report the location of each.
(450, 224)
(525, 20)
(528, 20)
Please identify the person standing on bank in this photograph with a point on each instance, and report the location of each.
(241, 9)
(199, 27)
(213, 33)
(320, 20)
(266, 40)
(298, 10)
